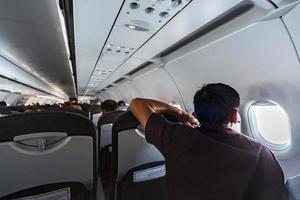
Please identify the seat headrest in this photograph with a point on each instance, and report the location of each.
(66, 109)
(109, 118)
(125, 121)
(128, 121)
(36, 122)
(95, 109)
(5, 111)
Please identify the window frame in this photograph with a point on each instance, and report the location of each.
(256, 134)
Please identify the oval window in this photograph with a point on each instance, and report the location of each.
(270, 124)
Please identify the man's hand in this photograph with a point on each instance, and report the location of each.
(188, 119)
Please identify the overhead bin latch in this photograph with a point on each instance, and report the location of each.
(159, 62)
(127, 77)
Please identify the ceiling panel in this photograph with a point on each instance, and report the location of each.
(137, 22)
(93, 22)
(31, 36)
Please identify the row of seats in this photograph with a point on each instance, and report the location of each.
(56, 153)
(52, 154)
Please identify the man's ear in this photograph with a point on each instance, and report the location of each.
(234, 117)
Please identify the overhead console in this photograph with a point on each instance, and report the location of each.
(143, 29)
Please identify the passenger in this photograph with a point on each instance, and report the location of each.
(3, 104)
(122, 105)
(211, 161)
(108, 106)
(72, 103)
(4, 110)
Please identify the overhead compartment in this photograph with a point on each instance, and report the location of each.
(291, 21)
(10, 71)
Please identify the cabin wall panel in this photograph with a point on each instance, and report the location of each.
(12, 98)
(155, 84)
(292, 22)
(3, 95)
(260, 62)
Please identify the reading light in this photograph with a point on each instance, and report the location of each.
(131, 26)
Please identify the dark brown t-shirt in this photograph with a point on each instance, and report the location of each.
(212, 163)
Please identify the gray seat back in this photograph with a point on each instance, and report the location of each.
(105, 127)
(135, 163)
(44, 148)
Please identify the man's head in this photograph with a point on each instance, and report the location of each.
(108, 106)
(216, 104)
(121, 103)
(3, 104)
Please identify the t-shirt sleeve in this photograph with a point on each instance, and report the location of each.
(154, 130)
(268, 183)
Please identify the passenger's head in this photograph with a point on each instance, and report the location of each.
(3, 104)
(216, 104)
(109, 106)
(73, 100)
(121, 103)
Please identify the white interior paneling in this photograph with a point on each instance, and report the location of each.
(292, 22)
(187, 19)
(119, 32)
(129, 65)
(195, 15)
(123, 37)
(8, 69)
(12, 98)
(155, 84)
(283, 2)
(4, 94)
(31, 36)
(93, 21)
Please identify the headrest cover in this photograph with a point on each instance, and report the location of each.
(125, 121)
(37, 122)
(109, 118)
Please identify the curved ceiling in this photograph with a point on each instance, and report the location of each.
(32, 38)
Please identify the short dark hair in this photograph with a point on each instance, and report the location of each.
(121, 103)
(109, 105)
(214, 103)
(3, 103)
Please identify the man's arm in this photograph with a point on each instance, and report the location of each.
(144, 108)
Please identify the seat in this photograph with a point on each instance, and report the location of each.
(105, 139)
(138, 167)
(293, 188)
(58, 149)
(95, 113)
(67, 109)
(105, 127)
(5, 111)
(18, 109)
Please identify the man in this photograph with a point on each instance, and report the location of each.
(108, 105)
(122, 105)
(210, 161)
(3, 104)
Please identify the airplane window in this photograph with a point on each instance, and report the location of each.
(269, 124)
